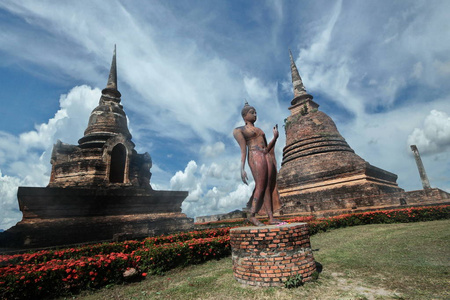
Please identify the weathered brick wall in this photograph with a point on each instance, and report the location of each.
(345, 200)
(268, 255)
(64, 216)
(237, 214)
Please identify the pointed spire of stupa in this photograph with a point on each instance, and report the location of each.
(299, 89)
(112, 79)
(111, 85)
(108, 118)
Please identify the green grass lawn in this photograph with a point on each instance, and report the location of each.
(395, 261)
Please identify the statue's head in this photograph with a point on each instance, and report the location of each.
(246, 109)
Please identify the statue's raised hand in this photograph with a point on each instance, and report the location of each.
(275, 132)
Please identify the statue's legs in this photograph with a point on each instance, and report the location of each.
(270, 187)
(258, 165)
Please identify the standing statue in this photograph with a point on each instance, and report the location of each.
(261, 159)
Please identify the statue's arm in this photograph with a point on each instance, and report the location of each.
(239, 136)
(274, 140)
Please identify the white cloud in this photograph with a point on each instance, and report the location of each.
(434, 136)
(69, 121)
(213, 189)
(9, 214)
(256, 90)
(213, 150)
(187, 180)
(9, 147)
(237, 199)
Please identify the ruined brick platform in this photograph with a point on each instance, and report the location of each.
(66, 216)
(268, 255)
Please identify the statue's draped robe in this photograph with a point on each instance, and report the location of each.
(276, 202)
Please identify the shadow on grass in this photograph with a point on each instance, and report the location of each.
(319, 267)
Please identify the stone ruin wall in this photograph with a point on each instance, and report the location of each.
(73, 166)
(237, 214)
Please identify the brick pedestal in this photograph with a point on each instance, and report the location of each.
(268, 255)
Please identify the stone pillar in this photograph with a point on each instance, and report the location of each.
(268, 255)
(423, 174)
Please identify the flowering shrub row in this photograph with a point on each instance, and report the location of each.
(56, 277)
(105, 248)
(44, 273)
(413, 214)
(161, 258)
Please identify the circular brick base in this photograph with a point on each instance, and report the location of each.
(268, 255)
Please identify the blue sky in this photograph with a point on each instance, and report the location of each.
(380, 69)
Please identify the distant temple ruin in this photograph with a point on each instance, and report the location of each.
(99, 190)
(320, 172)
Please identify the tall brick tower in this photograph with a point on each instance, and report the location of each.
(105, 155)
(320, 171)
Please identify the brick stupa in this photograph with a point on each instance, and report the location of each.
(99, 190)
(320, 173)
